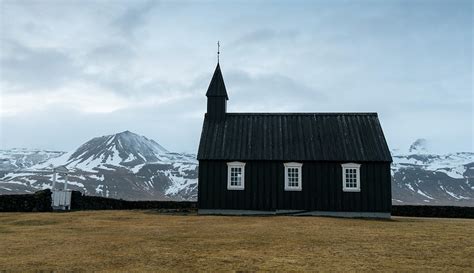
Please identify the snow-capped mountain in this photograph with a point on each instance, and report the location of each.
(124, 165)
(421, 177)
(129, 166)
(124, 149)
(15, 159)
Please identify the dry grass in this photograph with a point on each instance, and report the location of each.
(147, 241)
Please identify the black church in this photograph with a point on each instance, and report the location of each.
(335, 164)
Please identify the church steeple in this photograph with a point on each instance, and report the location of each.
(217, 96)
(217, 87)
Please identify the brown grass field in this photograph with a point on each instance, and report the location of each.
(148, 241)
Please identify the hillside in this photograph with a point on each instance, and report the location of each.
(423, 177)
(130, 166)
(17, 159)
(123, 165)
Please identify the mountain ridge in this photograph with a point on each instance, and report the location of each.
(129, 166)
(123, 165)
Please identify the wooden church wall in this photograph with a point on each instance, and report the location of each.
(321, 188)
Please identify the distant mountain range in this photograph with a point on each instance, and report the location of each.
(421, 177)
(16, 159)
(130, 166)
(124, 165)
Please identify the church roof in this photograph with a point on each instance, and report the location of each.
(343, 137)
(217, 87)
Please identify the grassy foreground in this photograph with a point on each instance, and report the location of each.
(146, 240)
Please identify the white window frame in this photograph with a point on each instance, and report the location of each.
(300, 176)
(346, 166)
(231, 165)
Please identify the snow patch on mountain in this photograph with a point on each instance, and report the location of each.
(21, 158)
(454, 165)
(129, 166)
(124, 165)
(420, 176)
(120, 150)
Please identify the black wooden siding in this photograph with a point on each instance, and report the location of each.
(294, 137)
(216, 108)
(321, 188)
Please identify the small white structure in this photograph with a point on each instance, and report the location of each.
(61, 199)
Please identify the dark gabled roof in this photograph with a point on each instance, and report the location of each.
(294, 137)
(217, 87)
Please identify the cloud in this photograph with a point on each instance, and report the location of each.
(79, 96)
(63, 127)
(134, 16)
(36, 68)
(89, 68)
(262, 36)
(269, 92)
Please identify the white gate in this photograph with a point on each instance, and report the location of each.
(61, 199)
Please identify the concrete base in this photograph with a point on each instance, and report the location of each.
(234, 212)
(62, 208)
(348, 214)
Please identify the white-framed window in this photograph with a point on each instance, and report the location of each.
(235, 175)
(351, 177)
(293, 176)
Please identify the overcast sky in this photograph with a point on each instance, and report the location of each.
(73, 70)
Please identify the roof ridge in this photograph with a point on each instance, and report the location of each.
(308, 113)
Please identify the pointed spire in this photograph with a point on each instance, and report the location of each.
(218, 51)
(217, 87)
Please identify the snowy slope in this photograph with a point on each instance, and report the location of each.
(122, 149)
(15, 159)
(421, 177)
(129, 166)
(123, 165)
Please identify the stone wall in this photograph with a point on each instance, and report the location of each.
(39, 201)
(84, 202)
(433, 211)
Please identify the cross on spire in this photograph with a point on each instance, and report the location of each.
(218, 52)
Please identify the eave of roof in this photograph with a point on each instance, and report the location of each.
(305, 114)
